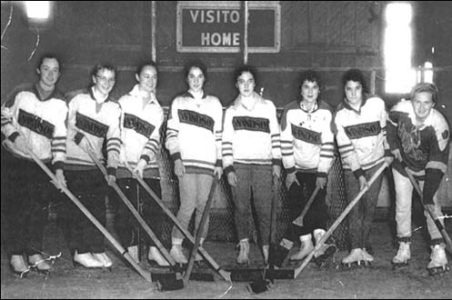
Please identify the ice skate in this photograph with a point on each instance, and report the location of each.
(177, 254)
(39, 264)
(133, 252)
(355, 258)
(438, 261)
(367, 258)
(19, 266)
(86, 260)
(265, 253)
(325, 251)
(104, 259)
(242, 258)
(305, 248)
(155, 255)
(403, 255)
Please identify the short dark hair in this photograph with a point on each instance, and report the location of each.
(245, 68)
(144, 64)
(425, 87)
(48, 56)
(195, 64)
(310, 75)
(357, 76)
(99, 67)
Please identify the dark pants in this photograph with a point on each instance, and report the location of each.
(361, 216)
(26, 192)
(317, 215)
(255, 180)
(81, 234)
(126, 225)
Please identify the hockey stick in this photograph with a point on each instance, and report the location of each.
(339, 220)
(299, 220)
(201, 227)
(226, 275)
(139, 218)
(431, 212)
(86, 212)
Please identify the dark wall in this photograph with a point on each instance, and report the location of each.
(328, 36)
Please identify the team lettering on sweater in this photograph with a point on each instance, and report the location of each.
(97, 122)
(194, 132)
(40, 121)
(361, 135)
(141, 123)
(251, 136)
(307, 138)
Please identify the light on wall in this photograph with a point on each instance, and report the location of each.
(39, 13)
(398, 48)
(39, 10)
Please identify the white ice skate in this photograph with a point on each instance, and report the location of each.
(438, 261)
(243, 258)
(177, 254)
(367, 258)
(19, 266)
(155, 255)
(325, 251)
(86, 260)
(104, 259)
(305, 248)
(39, 264)
(354, 258)
(403, 255)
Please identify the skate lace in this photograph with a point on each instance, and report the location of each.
(51, 258)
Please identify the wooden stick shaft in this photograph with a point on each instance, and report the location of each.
(339, 220)
(431, 212)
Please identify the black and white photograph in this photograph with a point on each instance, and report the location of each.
(226, 149)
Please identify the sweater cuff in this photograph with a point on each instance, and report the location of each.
(277, 162)
(358, 173)
(322, 175)
(175, 156)
(290, 170)
(219, 163)
(13, 136)
(145, 158)
(229, 169)
(78, 137)
(388, 153)
(111, 171)
(58, 165)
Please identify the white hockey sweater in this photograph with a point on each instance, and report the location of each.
(98, 123)
(194, 132)
(361, 135)
(307, 141)
(251, 135)
(140, 129)
(40, 121)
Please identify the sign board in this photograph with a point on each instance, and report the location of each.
(217, 27)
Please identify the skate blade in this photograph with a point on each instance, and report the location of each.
(354, 265)
(438, 271)
(396, 266)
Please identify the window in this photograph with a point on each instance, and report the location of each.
(398, 48)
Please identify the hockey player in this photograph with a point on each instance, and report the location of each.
(193, 138)
(418, 135)
(141, 120)
(33, 119)
(92, 120)
(251, 158)
(307, 154)
(361, 137)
